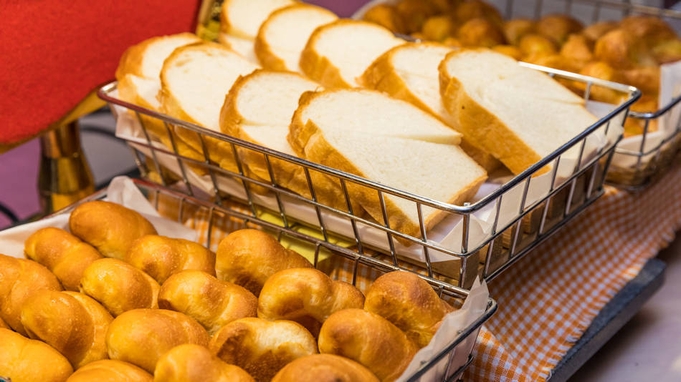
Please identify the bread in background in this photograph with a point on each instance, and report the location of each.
(195, 363)
(284, 34)
(212, 302)
(109, 227)
(110, 370)
(26, 360)
(160, 256)
(324, 367)
(62, 253)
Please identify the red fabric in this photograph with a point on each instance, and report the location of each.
(54, 53)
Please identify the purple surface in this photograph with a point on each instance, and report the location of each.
(343, 8)
(19, 179)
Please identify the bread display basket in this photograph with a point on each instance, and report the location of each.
(651, 148)
(506, 219)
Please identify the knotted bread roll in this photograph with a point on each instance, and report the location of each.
(248, 257)
(110, 370)
(26, 360)
(160, 256)
(369, 339)
(324, 367)
(72, 323)
(142, 336)
(119, 286)
(307, 296)
(212, 302)
(109, 227)
(195, 363)
(19, 279)
(62, 253)
(262, 347)
(409, 302)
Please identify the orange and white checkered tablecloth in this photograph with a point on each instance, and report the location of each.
(550, 297)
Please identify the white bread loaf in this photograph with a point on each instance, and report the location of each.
(338, 53)
(410, 72)
(282, 37)
(194, 81)
(243, 116)
(145, 59)
(518, 114)
(243, 46)
(388, 141)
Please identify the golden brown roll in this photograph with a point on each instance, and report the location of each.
(667, 51)
(509, 50)
(195, 363)
(468, 10)
(646, 78)
(369, 339)
(213, 303)
(19, 279)
(557, 27)
(109, 227)
(623, 50)
(604, 71)
(516, 28)
(480, 32)
(119, 286)
(72, 323)
(438, 28)
(415, 13)
(110, 370)
(387, 16)
(594, 31)
(652, 30)
(142, 336)
(409, 302)
(578, 48)
(533, 45)
(161, 256)
(247, 257)
(62, 253)
(324, 367)
(262, 347)
(26, 360)
(307, 296)
(4, 325)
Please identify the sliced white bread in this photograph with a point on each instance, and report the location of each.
(145, 59)
(518, 114)
(194, 81)
(242, 18)
(387, 142)
(244, 117)
(243, 46)
(283, 36)
(410, 72)
(337, 53)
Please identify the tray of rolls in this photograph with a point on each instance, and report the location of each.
(144, 283)
(617, 41)
(367, 140)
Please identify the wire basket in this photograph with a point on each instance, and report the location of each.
(503, 222)
(212, 223)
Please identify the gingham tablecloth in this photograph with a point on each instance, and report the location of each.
(551, 296)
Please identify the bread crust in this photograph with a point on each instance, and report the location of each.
(110, 370)
(324, 367)
(23, 359)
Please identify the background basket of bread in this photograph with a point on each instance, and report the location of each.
(612, 40)
(106, 290)
(369, 141)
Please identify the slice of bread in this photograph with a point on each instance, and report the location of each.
(243, 46)
(520, 115)
(388, 141)
(194, 81)
(145, 59)
(242, 18)
(338, 53)
(410, 72)
(282, 37)
(244, 117)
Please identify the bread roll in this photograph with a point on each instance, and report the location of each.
(19, 279)
(119, 286)
(558, 27)
(62, 253)
(142, 336)
(248, 257)
(195, 363)
(369, 339)
(161, 256)
(4, 325)
(25, 360)
(307, 296)
(71, 322)
(109, 227)
(324, 367)
(623, 50)
(409, 302)
(262, 347)
(212, 302)
(110, 370)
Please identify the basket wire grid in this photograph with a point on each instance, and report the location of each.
(478, 250)
(355, 269)
(641, 164)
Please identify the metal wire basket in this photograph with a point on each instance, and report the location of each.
(504, 222)
(213, 223)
